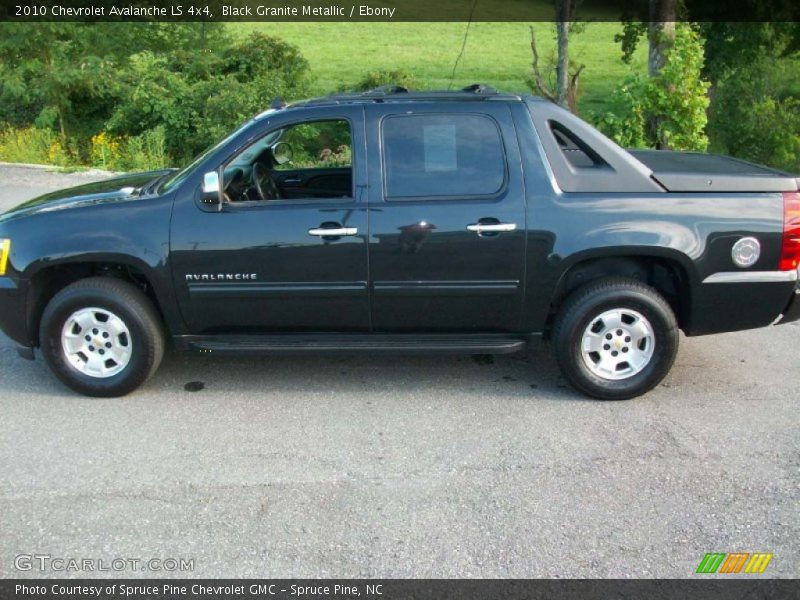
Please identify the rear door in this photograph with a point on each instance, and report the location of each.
(447, 218)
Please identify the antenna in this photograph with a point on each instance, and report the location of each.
(463, 43)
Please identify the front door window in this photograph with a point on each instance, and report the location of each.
(311, 160)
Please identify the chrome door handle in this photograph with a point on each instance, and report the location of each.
(292, 180)
(491, 227)
(333, 232)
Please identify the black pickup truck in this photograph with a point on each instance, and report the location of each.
(467, 222)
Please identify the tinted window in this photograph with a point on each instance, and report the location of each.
(302, 161)
(442, 155)
(318, 145)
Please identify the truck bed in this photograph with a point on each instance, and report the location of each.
(697, 172)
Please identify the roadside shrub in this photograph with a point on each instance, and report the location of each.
(676, 99)
(627, 124)
(262, 55)
(340, 156)
(196, 101)
(78, 95)
(375, 79)
(145, 152)
(32, 145)
(105, 151)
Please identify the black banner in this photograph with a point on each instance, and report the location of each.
(386, 10)
(391, 589)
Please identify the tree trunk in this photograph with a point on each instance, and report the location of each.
(62, 129)
(564, 91)
(661, 36)
(660, 33)
(563, 22)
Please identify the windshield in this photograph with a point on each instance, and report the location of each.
(178, 177)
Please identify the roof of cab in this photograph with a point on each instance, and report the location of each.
(394, 93)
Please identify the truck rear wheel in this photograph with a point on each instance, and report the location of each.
(101, 337)
(615, 338)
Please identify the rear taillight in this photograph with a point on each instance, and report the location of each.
(790, 251)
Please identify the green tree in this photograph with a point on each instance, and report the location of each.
(199, 102)
(46, 70)
(756, 117)
(564, 90)
(66, 75)
(731, 46)
(755, 93)
(677, 95)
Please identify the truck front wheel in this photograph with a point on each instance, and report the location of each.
(101, 337)
(615, 338)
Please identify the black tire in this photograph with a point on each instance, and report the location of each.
(130, 305)
(584, 306)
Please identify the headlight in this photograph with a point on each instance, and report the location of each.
(5, 248)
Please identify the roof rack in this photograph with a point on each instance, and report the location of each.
(398, 93)
(278, 103)
(479, 88)
(387, 89)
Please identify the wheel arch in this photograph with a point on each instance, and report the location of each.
(668, 272)
(48, 279)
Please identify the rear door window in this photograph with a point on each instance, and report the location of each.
(442, 155)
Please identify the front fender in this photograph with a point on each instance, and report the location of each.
(132, 234)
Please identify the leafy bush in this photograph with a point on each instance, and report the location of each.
(186, 86)
(627, 124)
(756, 114)
(198, 102)
(320, 144)
(376, 79)
(341, 156)
(32, 145)
(676, 100)
(260, 56)
(105, 151)
(145, 152)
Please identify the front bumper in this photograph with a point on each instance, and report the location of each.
(13, 315)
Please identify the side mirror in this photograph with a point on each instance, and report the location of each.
(282, 153)
(212, 189)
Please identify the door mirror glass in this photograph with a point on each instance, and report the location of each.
(212, 191)
(211, 183)
(282, 153)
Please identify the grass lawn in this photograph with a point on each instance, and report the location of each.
(497, 54)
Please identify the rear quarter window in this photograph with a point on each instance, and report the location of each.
(447, 155)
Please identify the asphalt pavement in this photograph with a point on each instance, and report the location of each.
(354, 466)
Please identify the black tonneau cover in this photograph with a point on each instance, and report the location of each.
(698, 172)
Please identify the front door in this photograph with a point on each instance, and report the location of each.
(447, 218)
(288, 250)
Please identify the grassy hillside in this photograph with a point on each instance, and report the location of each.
(498, 54)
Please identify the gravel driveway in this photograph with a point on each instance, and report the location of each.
(355, 466)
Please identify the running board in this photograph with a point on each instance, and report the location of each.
(358, 342)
